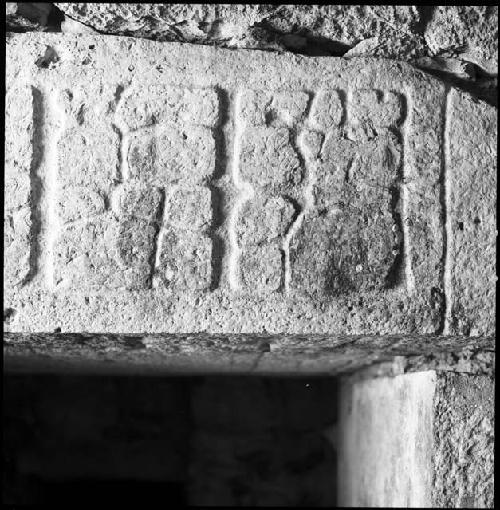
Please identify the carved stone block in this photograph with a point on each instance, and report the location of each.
(242, 192)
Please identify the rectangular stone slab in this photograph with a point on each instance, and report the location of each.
(185, 188)
(200, 353)
(472, 218)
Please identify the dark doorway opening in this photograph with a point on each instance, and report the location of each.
(182, 441)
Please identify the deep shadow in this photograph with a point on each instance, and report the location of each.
(181, 441)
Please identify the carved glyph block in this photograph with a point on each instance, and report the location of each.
(157, 192)
(352, 233)
(209, 190)
(268, 162)
(349, 236)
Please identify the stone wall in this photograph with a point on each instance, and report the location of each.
(149, 190)
(464, 441)
(261, 189)
(417, 440)
(457, 43)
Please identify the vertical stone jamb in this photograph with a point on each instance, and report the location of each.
(447, 230)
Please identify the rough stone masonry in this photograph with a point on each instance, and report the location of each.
(422, 440)
(173, 188)
(183, 208)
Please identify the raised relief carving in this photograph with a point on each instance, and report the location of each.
(270, 165)
(143, 218)
(350, 239)
(317, 175)
(321, 208)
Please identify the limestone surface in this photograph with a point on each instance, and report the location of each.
(464, 441)
(468, 31)
(410, 32)
(199, 353)
(385, 441)
(423, 440)
(472, 218)
(173, 188)
(392, 29)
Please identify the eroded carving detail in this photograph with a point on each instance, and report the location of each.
(318, 181)
(351, 239)
(270, 165)
(143, 221)
(321, 185)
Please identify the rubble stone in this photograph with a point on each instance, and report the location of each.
(264, 26)
(471, 32)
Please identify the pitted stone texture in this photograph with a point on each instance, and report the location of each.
(470, 32)
(264, 26)
(472, 182)
(289, 195)
(244, 354)
(464, 441)
(262, 108)
(86, 172)
(169, 104)
(353, 235)
(448, 41)
(270, 164)
(424, 439)
(20, 155)
(165, 158)
(263, 225)
(171, 149)
(172, 156)
(269, 160)
(104, 253)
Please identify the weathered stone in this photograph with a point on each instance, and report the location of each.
(21, 154)
(452, 42)
(406, 32)
(464, 441)
(172, 156)
(469, 32)
(160, 103)
(353, 233)
(266, 26)
(385, 441)
(175, 193)
(471, 184)
(416, 440)
(244, 354)
(184, 260)
(264, 220)
(135, 199)
(71, 26)
(104, 254)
